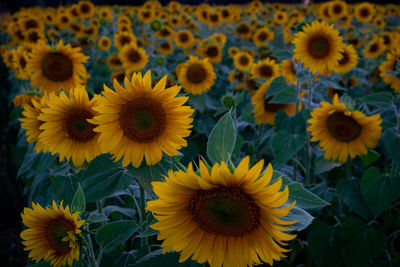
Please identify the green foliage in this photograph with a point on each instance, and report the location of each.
(115, 233)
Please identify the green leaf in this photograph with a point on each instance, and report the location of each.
(113, 234)
(302, 217)
(96, 218)
(103, 178)
(78, 202)
(165, 260)
(303, 76)
(328, 82)
(361, 242)
(379, 190)
(304, 198)
(322, 165)
(392, 143)
(369, 158)
(324, 244)
(222, 139)
(378, 99)
(281, 92)
(63, 187)
(286, 145)
(349, 192)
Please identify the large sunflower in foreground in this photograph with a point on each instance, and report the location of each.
(264, 111)
(51, 234)
(66, 129)
(390, 65)
(319, 47)
(225, 218)
(141, 121)
(343, 133)
(196, 76)
(32, 124)
(56, 68)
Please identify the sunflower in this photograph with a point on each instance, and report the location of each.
(133, 58)
(166, 48)
(388, 39)
(146, 15)
(280, 17)
(343, 133)
(379, 22)
(229, 218)
(237, 77)
(262, 35)
(337, 9)
(264, 111)
(66, 129)
(20, 61)
(324, 13)
(288, 71)
(232, 51)
(62, 20)
(243, 61)
(113, 62)
(196, 76)
(52, 34)
(348, 61)
(393, 57)
(164, 32)
(31, 123)
(31, 22)
(319, 47)
(266, 69)
(106, 13)
(104, 43)
(52, 234)
(34, 35)
(124, 38)
(21, 100)
(85, 9)
(364, 12)
(213, 52)
(243, 30)
(118, 75)
(184, 39)
(374, 48)
(56, 68)
(140, 121)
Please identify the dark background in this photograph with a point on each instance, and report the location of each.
(14, 5)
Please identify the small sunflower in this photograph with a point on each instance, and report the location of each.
(393, 57)
(264, 111)
(133, 58)
(51, 234)
(124, 38)
(243, 30)
(142, 121)
(265, 69)
(228, 218)
(104, 43)
(288, 71)
(31, 123)
(337, 9)
(374, 48)
(280, 17)
(213, 52)
(56, 68)
(343, 133)
(319, 47)
(348, 61)
(262, 35)
(243, 61)
(86, 9)
(364, 12)
(184, 39)
(113, 62)
(196, 76)
(66, 129)
(166, 48)
(232, 51)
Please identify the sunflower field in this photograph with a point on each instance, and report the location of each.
(205, 135)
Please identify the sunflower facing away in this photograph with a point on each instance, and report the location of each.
(66, 129)
(264, 111)
(343, 133)
(56, 68)
(319, 47)
(225, 218)
(141, 121)
(196, 76)
(51, 234)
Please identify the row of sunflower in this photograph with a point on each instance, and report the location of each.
(156, 114)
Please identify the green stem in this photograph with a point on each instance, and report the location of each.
(92, 258)
(308, 137)
(144, 240)
(100, 205)
(348, 169)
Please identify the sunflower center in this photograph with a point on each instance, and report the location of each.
(212, 51)
(386, 40)
(116, 61)
(214, 17)
(56, 67)
(345, 59)
(165, 45)
(318, 47)
(134, 56)
(77, 126)
(22, 63)
(266, 71)
(183, 37)
(85, 8)
(342, 127)
(364, 12)
(33, 37)
(226, 211)
(143, 120)
(243, 28)
(337, 9)
(125, 40)
(373, 48)
(56, 231)
(243, 60)
(272, 107)
(104, 43)
(262, 36)
(164, 32)
(31, 24)
(196, 73)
